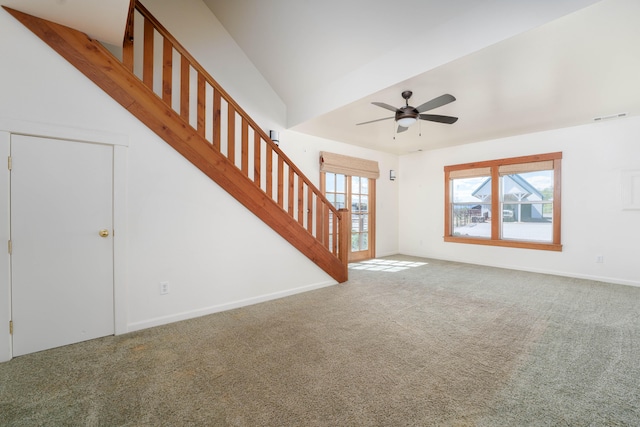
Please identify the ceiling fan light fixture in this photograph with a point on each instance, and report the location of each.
(406, 116)
(405, 122)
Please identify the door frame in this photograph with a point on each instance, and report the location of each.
(120, 143)
(371, 252)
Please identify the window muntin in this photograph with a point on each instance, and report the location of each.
(520, 209)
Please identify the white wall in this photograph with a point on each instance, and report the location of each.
(305, 150)
(180, 226)
(199, 31)
(593, 221)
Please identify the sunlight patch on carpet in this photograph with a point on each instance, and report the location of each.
(387, 265)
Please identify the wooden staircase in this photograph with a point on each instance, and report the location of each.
(204, 124)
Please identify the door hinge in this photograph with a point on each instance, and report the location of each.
(10, 247)
(9, 163)
(10, 327)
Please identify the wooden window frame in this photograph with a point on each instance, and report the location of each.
(495, 240)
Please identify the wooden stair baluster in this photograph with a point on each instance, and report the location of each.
(326, 248)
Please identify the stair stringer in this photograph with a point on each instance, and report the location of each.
(106, 71)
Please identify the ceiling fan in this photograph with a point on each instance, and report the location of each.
(408, 115)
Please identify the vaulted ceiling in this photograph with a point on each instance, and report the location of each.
(100, 19)
(514, 67)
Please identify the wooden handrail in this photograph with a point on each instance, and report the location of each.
(345, 225)
(221, 92)
(295, 209)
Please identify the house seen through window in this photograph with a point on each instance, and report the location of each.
(507, 202)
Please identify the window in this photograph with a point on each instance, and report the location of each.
(350, 182)
(508, 202)
(335, 189)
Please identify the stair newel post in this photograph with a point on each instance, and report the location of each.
(344, 238)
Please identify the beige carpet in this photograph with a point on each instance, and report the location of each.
(434, 344)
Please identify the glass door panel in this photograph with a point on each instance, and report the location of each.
(359, 215)
(356, 194)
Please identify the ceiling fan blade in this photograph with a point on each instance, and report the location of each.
(373, 121)
(440, 119)
(436, 102)
(401, 129)
(387, 106)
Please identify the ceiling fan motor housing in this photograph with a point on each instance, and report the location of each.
(406, 113)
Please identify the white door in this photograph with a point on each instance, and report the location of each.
(61, 267)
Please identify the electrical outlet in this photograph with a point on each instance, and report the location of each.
(599, 259)
(164, 288)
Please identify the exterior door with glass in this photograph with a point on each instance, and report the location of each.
(358, 195)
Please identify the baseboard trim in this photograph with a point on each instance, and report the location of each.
(387, 254)
(595, 278)
(159, 321)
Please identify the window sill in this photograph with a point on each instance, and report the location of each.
(505, 243)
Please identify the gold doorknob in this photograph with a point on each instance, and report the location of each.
(104, 233)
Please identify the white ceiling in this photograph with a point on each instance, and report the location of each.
(103, 20)
(514, 67)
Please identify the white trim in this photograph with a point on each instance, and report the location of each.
(120, 143)
(385, 254)
(5, 261)
(613, 280)
(158, 321)
(49, 130)
(120, 238)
